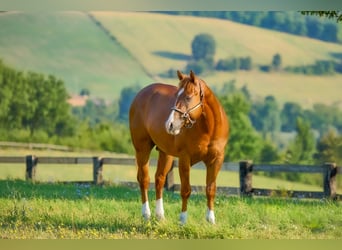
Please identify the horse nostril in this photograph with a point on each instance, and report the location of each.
(170, 126)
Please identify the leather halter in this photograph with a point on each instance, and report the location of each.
(186, 115)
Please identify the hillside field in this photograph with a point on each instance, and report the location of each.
(123, 49)
(70, 46)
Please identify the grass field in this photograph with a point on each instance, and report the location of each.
(148, 35)
(74, 48)
(49, 211)
(164, 43)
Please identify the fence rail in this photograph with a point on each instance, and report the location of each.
(329, 172)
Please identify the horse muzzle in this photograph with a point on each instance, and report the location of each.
(173, 126)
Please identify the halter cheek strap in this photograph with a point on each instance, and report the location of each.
(186, 115)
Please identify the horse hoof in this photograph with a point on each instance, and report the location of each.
(210, 216)
(183, 218)
(160, 217)
(146, 216)
(146, 212)
(160, 209)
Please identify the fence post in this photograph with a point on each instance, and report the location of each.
(245, 173)
(169, 181)
(31, 167)
(329, 181)
(97, 170)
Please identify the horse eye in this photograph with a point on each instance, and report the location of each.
(188, 98)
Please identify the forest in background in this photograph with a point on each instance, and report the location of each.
(293, 22)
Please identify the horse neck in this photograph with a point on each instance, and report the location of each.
(212, 103)
(213, 110)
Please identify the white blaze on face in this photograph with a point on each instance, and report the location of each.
(172, 125)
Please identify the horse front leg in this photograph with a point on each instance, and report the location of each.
(142, 159)
(163, 167)
(184, 174)
(213, 168)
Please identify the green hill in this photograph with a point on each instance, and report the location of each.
(70, 46)
(121, 49)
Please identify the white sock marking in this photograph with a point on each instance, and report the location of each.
(145, 210)
(160, 209)
(183, 217)
(210, 216)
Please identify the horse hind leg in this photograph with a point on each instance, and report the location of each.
(163, 167)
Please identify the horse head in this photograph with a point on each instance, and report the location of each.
(188, 104)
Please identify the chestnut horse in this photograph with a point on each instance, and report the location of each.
(187, 122)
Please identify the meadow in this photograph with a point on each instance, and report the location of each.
(70, 211)
(49, 209)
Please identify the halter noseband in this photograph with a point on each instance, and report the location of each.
(186, 115)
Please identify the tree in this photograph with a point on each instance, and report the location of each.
(330, 32)
(34, 102)
(126, 97)
(269, 153)
(48, 109)
(229, 64)
(265, 116)
(289, 114)
(244, 142)
(314, 27)
(337, 15)
(203, 47)
(276, 62)
(329, 148)
(85, 92)
(323, 117)
(94, 111)
(246, 63)
(302, 148)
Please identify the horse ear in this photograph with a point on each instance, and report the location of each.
(192, 76)
(180, 75)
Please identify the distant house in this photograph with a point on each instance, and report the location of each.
(78, 100)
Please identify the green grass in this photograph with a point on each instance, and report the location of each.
(71, 46)
(34, 211)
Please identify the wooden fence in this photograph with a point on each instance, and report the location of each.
(329, 172)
